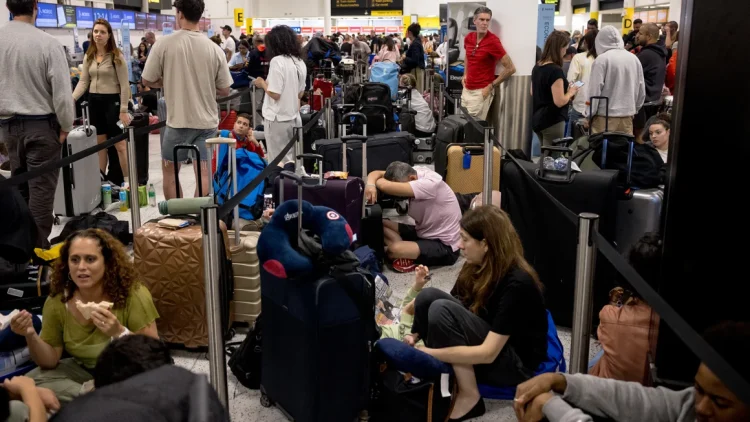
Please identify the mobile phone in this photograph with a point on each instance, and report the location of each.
(578, 84)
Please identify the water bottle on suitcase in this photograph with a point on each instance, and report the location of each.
(344, 196)
(79, 188)
(317, 336)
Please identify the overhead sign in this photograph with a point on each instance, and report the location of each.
(297, 29)
(579, 11)
(545, 23)
(379, 29)
(365, 7)
(387, 13)
(239, 17)
(356, 29)
(307, 30)
(627, 20)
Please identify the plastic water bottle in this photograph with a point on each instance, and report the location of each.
(151, 195)
(106, 195)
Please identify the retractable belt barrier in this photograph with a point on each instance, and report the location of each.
(25, 177)
(731, 378)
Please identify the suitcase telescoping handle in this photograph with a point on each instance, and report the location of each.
(177, 148)
(86, 120)
(606, 111)
(298, 181)
(319, 181)
(353, 116)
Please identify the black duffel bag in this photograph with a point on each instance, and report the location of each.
(119, 229)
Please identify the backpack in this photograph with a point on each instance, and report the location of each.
(236, 44)
(245, 356)
(249, 166)
(107, 222)
(375, 103)
(611, 151)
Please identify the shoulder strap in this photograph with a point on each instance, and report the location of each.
(365, 306)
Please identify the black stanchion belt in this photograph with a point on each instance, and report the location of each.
(234, 201)
(731, 378)
(25, 177)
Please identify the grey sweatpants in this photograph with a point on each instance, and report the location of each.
(278, 134)
(32, 144)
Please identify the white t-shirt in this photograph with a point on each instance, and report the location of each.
(229, 44)
(286, 76)
(580, 70)
(424, 119)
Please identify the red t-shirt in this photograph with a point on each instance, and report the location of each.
(481, 60)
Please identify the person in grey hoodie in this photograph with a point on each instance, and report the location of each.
(618, 75)
(554, 395)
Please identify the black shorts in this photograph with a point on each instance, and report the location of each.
(104, 112)
(431, 252)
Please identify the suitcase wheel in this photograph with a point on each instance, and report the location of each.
(265, 401)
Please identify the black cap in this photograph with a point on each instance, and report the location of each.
(227, 27)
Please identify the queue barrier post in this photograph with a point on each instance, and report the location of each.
(588, 224)
(135, 206)
(211, 275)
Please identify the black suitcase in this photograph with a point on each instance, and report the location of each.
(549, 239)
(27, 289)
(382, 150)
(114, 171)
(317, 338)
(455, 129)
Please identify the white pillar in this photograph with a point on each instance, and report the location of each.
(516, 24)
(675, 10)
(326, 17)
(594, 10)
(566, 9)
(144, 6)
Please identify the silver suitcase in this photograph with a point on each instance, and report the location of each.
(79, 187)
(637, 216)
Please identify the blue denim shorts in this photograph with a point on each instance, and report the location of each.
(182, 136)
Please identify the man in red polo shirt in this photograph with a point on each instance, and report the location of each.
(483, 51)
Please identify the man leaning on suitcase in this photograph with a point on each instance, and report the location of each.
(36, 111)
(192, 71)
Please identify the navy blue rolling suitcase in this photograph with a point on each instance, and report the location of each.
(317, 337)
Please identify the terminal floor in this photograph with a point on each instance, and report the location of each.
(244, 404)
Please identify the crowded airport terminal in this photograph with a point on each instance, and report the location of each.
(373, 211)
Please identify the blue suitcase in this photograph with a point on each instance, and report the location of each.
(317, 338)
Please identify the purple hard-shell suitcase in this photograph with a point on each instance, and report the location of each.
(344, 196)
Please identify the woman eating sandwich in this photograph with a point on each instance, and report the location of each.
(94, 298)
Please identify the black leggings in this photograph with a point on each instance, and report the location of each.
(442, 321)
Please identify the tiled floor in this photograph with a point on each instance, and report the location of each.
(244, 404)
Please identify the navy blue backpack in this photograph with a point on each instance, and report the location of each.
(249, 165)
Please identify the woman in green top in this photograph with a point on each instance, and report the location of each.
(93, 267)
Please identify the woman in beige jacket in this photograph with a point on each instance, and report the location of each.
(105, 76)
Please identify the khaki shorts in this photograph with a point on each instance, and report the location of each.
(475, 103)
(616, 124)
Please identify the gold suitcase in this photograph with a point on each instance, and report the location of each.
(469, 180)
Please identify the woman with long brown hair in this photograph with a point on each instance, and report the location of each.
(93, 267)
(492, 327)
(550, 91)
(105, 76)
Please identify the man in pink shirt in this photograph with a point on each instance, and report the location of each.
(432, 205)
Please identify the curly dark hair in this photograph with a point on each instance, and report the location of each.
(119, 274)
(282, 41)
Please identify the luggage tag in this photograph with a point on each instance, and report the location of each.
(467, 160)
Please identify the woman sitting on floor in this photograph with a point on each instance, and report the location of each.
(493, 321)
(93, 267)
